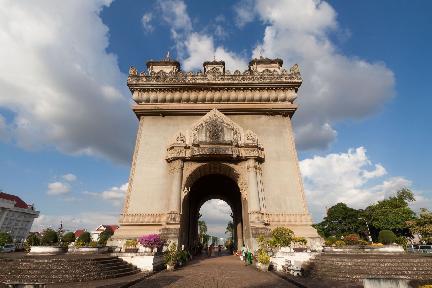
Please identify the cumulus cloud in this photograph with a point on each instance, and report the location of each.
(3, 129)
(346, 177)
(146, 22)
(69, 177)
(216, 213)
(87, 220)
(200, 48)
(192, 47)
(58, 188)
(63, 88)
(115, 194)
(336, 86)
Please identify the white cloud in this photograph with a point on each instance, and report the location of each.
(59, 82)
(115, 194)
(245, 12)
(335, 87)
(3, 129)
(58, 188)
(146, 22)
(200, 48)
(87, 220)
(69, 177)
(346, 177)
(216, 213)
(193, 48)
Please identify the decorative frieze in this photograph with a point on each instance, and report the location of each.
(140, 218)
(208, 95)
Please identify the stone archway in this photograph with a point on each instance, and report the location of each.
(202, 189)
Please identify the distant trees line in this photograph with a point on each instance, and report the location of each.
(393, 214)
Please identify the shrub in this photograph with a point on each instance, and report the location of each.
(131, 243)
(263, 257)
(85, 237)
(5, 238)
(151, 241)
(352, 239)
(339, 243)
(299, 240)
(93, 244)
(49, 237)
(33, 240)
(282, 237)
(105, 235)
(68, 238)
(171, 254)
(330, 241)
(386, 237)
(403, 241)
(363, 242)
(183, 256)
(79, 243)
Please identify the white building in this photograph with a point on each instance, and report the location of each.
(16, 216)
(95, 234)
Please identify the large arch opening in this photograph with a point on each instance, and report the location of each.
(204, 188)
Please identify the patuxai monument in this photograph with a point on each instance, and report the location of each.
(215, 134)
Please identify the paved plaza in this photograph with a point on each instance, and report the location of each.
(224, 271)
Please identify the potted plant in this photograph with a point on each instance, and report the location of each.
(171, 256)
(131, 246)
(152, 242)
(263, 258)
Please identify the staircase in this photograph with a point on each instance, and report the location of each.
(64, 268)
(355, 267)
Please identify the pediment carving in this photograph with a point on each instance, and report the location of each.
(215, 136)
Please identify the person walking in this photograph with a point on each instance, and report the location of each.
(243, 253)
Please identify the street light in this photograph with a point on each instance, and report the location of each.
(368, 231)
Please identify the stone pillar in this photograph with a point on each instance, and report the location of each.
(175, 197)
(253, 196)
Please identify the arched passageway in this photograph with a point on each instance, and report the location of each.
(211, 186)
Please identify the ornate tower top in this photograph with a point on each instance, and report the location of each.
(261, 64)
(265, 88)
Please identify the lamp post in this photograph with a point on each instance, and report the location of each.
(368, 231)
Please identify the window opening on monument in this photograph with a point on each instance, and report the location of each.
(215, 223)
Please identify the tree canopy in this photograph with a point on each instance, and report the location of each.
(422, 226)
(341, 220)
(392, 213)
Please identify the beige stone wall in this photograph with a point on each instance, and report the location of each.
(152, 182)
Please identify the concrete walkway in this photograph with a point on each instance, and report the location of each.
(224, 271)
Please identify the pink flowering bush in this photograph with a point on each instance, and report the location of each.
(151, 241)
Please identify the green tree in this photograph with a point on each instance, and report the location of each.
(392, 214)
(68, 237)
(105, 235)
(49, 237)
(282, 237)
(230, 229)
(341, 220)
(202, 230)
(33, 239)
(422, 225)
(5, 238)
(85, 237)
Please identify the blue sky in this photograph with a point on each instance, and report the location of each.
(67, 132)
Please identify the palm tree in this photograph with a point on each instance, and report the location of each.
(230, 229)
